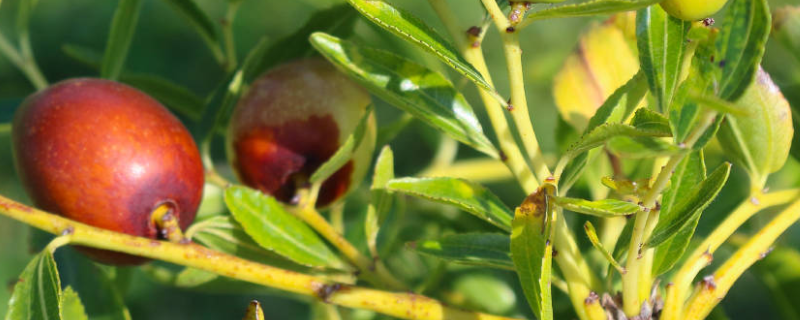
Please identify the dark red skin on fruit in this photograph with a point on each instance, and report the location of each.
(283, 129)
(276, 159)
(106, 154)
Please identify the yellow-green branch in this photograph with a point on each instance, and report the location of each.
(401, 305)
(713, 289)
(703, 254)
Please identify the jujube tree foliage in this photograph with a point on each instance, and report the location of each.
(657, 104)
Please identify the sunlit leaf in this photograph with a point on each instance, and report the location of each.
(591, 233)
(268, 223)
(37, 292)
(532, 251)
(601, 208)
(466, 195)
(662, 41)
(690, 207)
(425, 94)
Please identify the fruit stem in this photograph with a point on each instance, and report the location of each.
(372, 270)
(400, 305)
(636, 264)
(703, 254)
(167, 224)
(716, 286)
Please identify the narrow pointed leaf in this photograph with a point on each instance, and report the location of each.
(689, 207)
(691, 171)
(346, 151)
(742, 40)
(411, 87)
(412, 29)
(589, 8)
(662, 41)
(224, 234)
(464, 194)
(479, 249)
(602, 134)
(532, 251)
(651, 121)
(591, 233)
(71, 305)
(382, 200)
(37, 291)
(602, 208)
(642, 147)
(268, 223)
(119, 40)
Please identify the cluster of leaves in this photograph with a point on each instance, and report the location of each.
(686, 73)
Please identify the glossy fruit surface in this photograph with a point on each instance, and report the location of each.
(107, 155)
(692, 10)
(293, 119)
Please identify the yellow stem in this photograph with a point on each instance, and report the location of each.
(478, 170)
(714, 289)
(680, 283)
(635, 265)
(373, 271)
(470, 45)
(401, 305)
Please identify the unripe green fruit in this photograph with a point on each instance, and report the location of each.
(105, 154)
(293, 119)
(692, 10)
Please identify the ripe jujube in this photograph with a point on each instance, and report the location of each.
(293, 119)
(106, 154)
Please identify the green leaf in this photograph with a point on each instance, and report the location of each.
(71, 305)
(641, 147)
(661, 41)
(589, 8)
(690, 207)
(123, 27)
(741, 45)
(591, 233)
(466, 195)
(224, 234)
(175, 97)
(760, 142)
(199, 20)
(628, 96)
(532, 251)
(37, 291)
(266, 221)
(602, 134)
(410, 28)
(413, 88)
(382, 200)
(478, 249)
(602, 208)
(338, 20)
(86, 56)
(651, 121)
(691, 171)
(346, 151)
(720, 105)
(624, 240)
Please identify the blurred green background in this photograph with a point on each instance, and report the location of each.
(165, 45)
